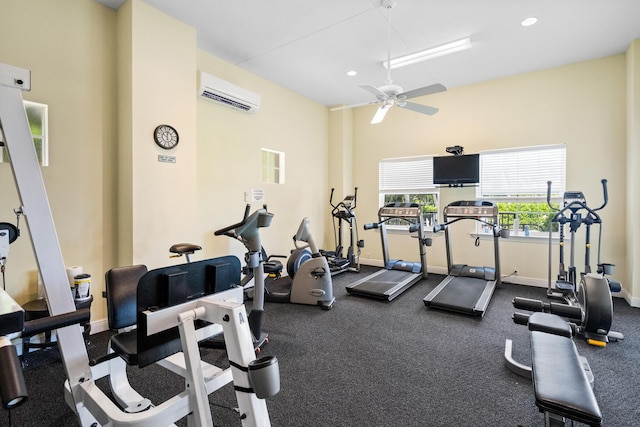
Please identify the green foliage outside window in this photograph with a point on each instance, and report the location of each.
(427, 201)
(536, 215)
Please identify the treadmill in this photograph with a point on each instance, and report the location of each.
(468, 289)
(397, 275)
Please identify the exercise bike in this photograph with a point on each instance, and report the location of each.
(247, 231)
(309, 276)
(308, 279)
(344, 212)
(587, 302)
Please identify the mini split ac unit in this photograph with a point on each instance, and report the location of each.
(222, 92)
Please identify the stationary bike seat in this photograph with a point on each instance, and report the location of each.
(184, 248)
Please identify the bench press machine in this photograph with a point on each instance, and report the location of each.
(562, 379)
(92, 406)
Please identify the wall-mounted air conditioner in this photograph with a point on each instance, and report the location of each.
(222, 92)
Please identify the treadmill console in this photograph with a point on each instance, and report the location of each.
(471, 209)
(400, 210)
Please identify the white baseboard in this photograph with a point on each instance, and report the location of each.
(632, 301)
(98, 326)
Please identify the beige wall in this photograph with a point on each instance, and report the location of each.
(161, 72)
(633, 172)
(581, 105)
(229, 161)
(72, 71)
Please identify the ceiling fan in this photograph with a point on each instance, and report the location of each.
(391, 94)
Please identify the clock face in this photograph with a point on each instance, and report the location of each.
(165, 136)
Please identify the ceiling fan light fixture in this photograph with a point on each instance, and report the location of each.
(424, 55)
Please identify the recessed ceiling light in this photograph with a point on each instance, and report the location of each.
(352, 73)
(529, 21)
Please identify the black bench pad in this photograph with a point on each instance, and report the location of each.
(550, 323)
(560, 384)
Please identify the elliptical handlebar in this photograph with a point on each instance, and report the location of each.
(576, 205)
(605, 194)
(549, 197)
(355, 197)
(342, 204)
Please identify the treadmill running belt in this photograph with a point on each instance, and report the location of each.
(385, 284)
(382, 282)
(460, 294)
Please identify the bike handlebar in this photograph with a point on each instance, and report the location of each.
(226, 230)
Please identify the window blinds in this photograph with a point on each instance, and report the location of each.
(522, 172)
(411, 173)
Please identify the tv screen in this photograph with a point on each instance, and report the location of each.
(456, 170)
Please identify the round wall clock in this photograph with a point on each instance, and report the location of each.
(165, 136)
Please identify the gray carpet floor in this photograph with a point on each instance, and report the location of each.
(368, 362)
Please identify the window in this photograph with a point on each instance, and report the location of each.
(516, 179)
(272, 166)
(409, 180)
(37, 114)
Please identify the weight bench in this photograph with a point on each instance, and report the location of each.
(561, 377)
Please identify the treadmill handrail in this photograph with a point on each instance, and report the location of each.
(440, 227)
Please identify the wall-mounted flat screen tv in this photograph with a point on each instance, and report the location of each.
(456, 170)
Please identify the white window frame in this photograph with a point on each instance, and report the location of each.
(520, 175)
(273, 166)
(406, 176)
(42, 150)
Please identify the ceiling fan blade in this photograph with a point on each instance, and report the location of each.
(422, 91)
(344, 107)
(424, 109)
(379, 116)
(375, 91)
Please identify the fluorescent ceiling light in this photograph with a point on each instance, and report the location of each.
(431, 53)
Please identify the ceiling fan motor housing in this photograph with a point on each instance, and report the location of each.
(391, 90)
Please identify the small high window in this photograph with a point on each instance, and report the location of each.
(37, 114)
(272, 166)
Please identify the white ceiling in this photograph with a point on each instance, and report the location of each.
(309, 45)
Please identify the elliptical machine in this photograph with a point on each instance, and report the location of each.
(344, 212)
(588, 301)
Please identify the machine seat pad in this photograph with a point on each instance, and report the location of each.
(125, 344)
(560, 384)
(550, 323)
(184, 248)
